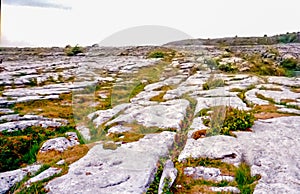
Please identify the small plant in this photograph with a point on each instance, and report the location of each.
(166, 189)
(246, 183)
(290, 64)
(153, 188)
(156, 54)
(136, 90)
(72, 51)
(228, 67)
(237, 119)
(223, 120)
(288, 38)
(212, 83)
(211, 63)
(162, 53)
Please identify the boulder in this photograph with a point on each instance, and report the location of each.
(169, 173)
(60, 143)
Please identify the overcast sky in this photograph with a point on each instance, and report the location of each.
(86, 22)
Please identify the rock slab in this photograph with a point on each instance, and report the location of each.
(128, 169)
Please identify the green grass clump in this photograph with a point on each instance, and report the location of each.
(290, 64)
(156, 54)
(20, 148)
(213, 83)
(162, 53)
(246, 182)
(153, 188)
(237, 119)
(223, 120)
(288, 38)
(230, 68)
(72, 51)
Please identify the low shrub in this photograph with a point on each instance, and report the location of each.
(211, 63)
(156, 54)
(290, 64)
(237, 119)
(223, 120)
(213, 83)
(288, 38)
(227, 68)
(246, 182)
(153, 188)
(162, 53)
(72, 51)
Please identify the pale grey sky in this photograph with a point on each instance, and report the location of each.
(62, 22)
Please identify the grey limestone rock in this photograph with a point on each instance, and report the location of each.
(170, 173)
(128, 169)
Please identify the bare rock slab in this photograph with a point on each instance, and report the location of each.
(214, 147)
(273, 152)
(128, 169)
(10, 178)
(60, 143)
(45, 174)
(211, 174)
(225, 189)
(170, 173)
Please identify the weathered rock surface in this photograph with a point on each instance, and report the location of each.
(43, 175)
(10, 178)
(119, 129)
(225, 189)
(84, 131)
(293, 82)
(211, 174)
(272, 152)
(15, 122)
(128, 169)
(164, 115)
(60, 143)
(217, 101)
(169, 173)
(102, 116)
(215, 147)
(271, 149)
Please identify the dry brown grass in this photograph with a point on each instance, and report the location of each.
(267, 115)
(265, 108)
(70, 155)
(60, 108)
(271, 89)
(296, 90)
(287, 100)
(126, 137)
(268, 112)
(159, 98)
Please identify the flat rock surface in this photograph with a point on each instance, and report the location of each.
(43, 175)
(271, 150)
(10, 178)
(128, 169)
(214, 147)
